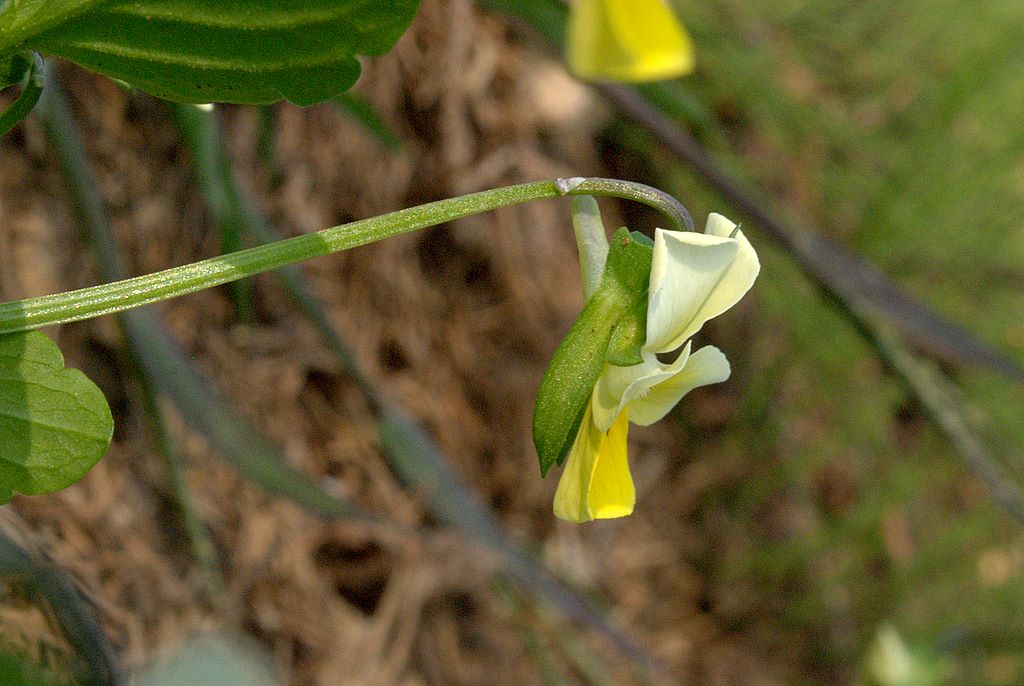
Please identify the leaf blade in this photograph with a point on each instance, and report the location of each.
(54, 422)
(242, 52)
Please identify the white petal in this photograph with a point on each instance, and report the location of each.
(685, 269)
(617, 386)
(717, 225)
(706, 366)
(746, 265)
(694, 277)
(607, 400)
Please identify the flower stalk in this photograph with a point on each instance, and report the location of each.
(31, 313)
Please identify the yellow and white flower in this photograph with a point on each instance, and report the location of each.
(694, 277)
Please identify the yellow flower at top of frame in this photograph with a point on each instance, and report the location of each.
(627, 40)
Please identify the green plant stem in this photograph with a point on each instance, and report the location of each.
(412, 454)
(118, 296)
(31, 89)
(67, 147)
(160, 360)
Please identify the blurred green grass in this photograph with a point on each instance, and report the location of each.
(896, 128)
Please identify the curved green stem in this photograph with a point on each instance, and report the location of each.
(31, 89)
(90, 302)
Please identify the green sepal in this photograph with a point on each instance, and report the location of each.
(579, 359)
(629, 336)
(631, 332)
(13, 69)
(641, 238)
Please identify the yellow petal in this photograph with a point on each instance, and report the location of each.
(596, 483)
(611, 485)
(627, 40)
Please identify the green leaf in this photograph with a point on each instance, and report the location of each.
(242, 51)
(23, 18)
(580, 357)
(54, 422)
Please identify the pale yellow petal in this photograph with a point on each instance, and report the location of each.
(744, 268)
(596, 483)
(574, 484)
(612, 493)
(618, 386)
(706, 366)
(694, 277)
(719, 225)
(686, 268)
(627, 40)
(609, 392)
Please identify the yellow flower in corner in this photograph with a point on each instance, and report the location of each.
(627, 40)
(694, 277)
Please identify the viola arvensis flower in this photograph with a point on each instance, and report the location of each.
(626, 40)
(693, 278)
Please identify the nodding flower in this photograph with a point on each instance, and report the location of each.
(693, 278)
